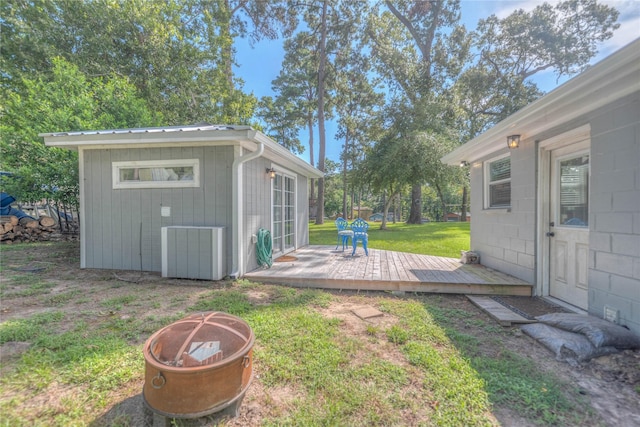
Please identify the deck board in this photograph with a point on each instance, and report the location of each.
(325, 267)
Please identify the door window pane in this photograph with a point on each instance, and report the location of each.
(574, 191)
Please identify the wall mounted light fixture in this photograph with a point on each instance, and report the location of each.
(271, 172)
(464, 163)
(513, 141)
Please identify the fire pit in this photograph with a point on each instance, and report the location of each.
(198, 366)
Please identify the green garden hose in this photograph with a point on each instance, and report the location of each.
(263, 251)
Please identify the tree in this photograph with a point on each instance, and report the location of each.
(330, 22)
(173, 52)
(297, 85)
(255, 20)
(322, 64)
(561, 37)
(420, 49)
(282, 120)
(356, 103)
(68, 100)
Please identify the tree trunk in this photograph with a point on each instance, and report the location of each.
(47, 221)
(12, 219)
(321, 129)
(352, 202)
(463, 211)
(444, 205)
(312, 191)
(387, 203)
(345, 187)
(415, 215)
(28, 222)
(225, 27)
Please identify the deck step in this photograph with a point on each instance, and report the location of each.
(503, 315)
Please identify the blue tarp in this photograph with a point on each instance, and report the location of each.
(6, 209)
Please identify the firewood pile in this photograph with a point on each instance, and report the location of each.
(23, 230)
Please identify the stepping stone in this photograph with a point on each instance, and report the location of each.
(367, 313)
(503, 315)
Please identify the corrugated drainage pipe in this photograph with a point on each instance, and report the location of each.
(237, 232)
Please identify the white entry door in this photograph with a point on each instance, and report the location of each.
(569, 225)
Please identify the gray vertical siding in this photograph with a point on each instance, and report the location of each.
(257, 206)
(122, 227)
(614, 241)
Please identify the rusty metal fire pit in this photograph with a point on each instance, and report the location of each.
(198, 366)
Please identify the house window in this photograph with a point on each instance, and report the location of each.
(156, 174)
(498, 182)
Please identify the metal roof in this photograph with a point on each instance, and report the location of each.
(190, 128)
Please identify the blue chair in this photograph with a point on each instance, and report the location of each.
(343, 232)
(359, 227)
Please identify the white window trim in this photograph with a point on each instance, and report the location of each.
(487, 183)
(117, 184)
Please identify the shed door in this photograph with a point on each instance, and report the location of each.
(284, 214)
(569, 226)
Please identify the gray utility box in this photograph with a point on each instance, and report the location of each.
(191, 252)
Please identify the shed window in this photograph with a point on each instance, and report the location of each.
(498, 183)
(156, 174)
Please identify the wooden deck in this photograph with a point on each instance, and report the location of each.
(324, 267)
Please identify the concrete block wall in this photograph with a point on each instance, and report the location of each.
(505, 238)
(614, 242)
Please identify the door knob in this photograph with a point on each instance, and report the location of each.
(550, 234)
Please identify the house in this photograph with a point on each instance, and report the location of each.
(363, 212)
(377, 217)
(178, 199)
(560, 206)
(457, 216)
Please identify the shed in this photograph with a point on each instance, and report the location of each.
(205, 188)
(562, 209)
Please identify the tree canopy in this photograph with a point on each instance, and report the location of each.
(404, 80)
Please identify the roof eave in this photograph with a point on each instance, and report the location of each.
(243, 136)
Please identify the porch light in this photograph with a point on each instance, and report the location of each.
(464, 163)
(513, 141)
(271, 172)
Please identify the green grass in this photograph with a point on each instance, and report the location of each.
(336, 378)
(117, 303)
(441, 365)
(445, 239)
(29, 329)
(510, 379)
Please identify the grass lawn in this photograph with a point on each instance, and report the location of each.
(430, 360)
(445, 239)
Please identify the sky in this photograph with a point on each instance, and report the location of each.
(259, 65)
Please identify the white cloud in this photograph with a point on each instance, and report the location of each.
(629, 21)
(629, 18)
(506, 8)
